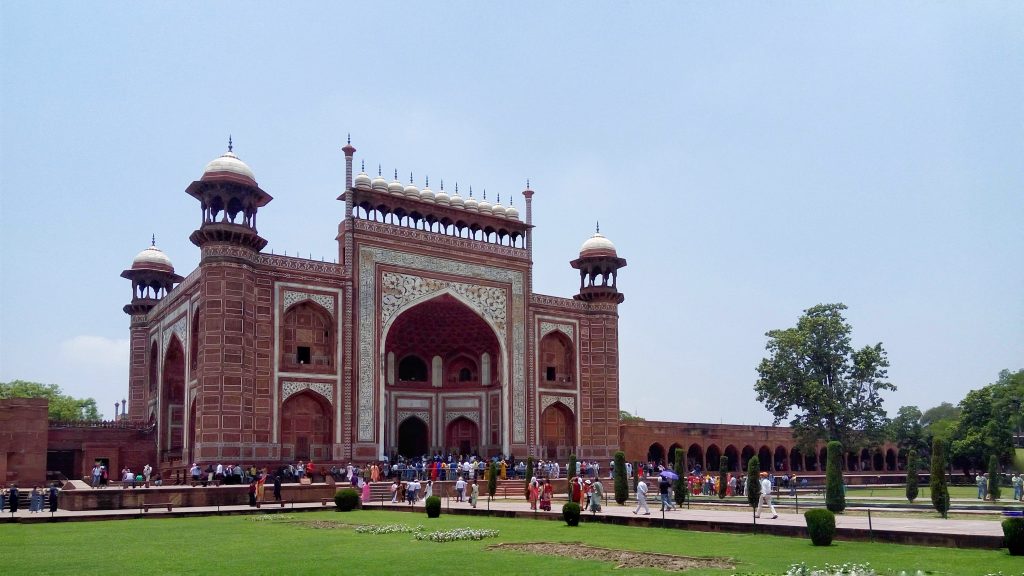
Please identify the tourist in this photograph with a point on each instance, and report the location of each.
(13, 496)
(596, 494)
(766, 497)
(196, 472)
(364, 488)
(641, 498)
(277, 487)
(429, 490)
(97, 473)
(460, 489)
(982, 481)
(210, 471)
(1017, 481)
(394, 491)
(663, 485)
(474, 493)
(158, 479)
(127, 478)
(545, 496)
(35, 501)
(533, 493)
(3, 498)
(411, 490)
(147, 472)
(53, 497)
(252, 493)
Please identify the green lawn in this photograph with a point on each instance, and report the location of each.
(237, 545)
(924, 493)
(1018, 460)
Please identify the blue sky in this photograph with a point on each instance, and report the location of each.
(749, 159)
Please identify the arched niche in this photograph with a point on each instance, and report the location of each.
(307, 338)
(306, 427)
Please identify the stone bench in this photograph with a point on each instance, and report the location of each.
(146, 506)
(281, 502)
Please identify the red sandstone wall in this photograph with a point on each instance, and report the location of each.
(23, 440)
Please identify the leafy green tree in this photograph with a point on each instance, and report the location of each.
(835, 499)
(679, 485)
(492, 479)
(627, 417)
(984, 427)
(529, 475)
(753, 482)
(813, 374)
(937, 481)
(723, 476)
(939, 422)
(912, 465)
(621, 483)
(61, 406)
(906, 430)
(993, 478)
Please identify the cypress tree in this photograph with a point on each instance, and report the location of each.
(529, 474)
(679, 486)
(636, 476)
(621, 483)
(835, 500)
(570, 471)
(993, 478)
(723, 476)
(753, 482)
(912, 465)
(937, 481)
(492, 479)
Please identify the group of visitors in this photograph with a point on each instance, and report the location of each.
(37, 498)
(985, 490)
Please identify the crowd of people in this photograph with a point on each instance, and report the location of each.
(39, 497)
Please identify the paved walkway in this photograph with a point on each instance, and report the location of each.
(926, 531)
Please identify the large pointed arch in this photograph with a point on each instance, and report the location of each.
(172, 401)
(558, 430)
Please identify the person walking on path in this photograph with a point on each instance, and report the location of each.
(663, 485)
(460, 489)
(596, 495)
(53, 497)
(474, 493)
(641, 498)
(13, 495)
(1017, 481)
(277, 487)
(766, 497)
(982, 482)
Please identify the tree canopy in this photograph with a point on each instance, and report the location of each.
(988, 417)
(830, 390)
(906, 429)
(627, 417)
(62, 406)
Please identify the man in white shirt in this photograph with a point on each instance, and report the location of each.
(641, 498)
(766, 497)
(460, 489)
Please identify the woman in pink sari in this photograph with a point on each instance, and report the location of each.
(533, 493)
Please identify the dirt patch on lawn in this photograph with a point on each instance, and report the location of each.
(621, 558)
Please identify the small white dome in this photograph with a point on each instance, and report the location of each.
(361, 181)
(228, 162)
(471, 203)
(152, 258)
(498, 209)
(597, 245)
(379, 183)
(427, 195)
(395, 187)
(484, 207)
(442, 197)
(512, 213)
(412, 191)
(457, 201)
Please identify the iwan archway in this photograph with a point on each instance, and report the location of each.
(444, 364)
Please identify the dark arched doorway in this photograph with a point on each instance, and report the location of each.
(172, 400)
(413, 437)
(713, 456)
(672, 455)
(462, 436)
(764, 458)
(746, 455)
(734, 458)
(656, 454)
(695, 457)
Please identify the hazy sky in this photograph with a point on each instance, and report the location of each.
(750, 160)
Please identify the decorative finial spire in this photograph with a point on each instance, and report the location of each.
(428, 182)
(442, 184)
(349, 139)
(598, 227)
(362, 165)
(485, 193)
(527, 183)
(499, 198)
(153, 241)
(396, 173)
(378, 170)
(456, 187)
(231, 145)
(470, 190)
(410, 177)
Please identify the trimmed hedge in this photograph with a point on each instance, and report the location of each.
(1013, 532)
(346, 499)
(912, 481)
(492, 479)
(723, 476)
(571, 513)
(753, 489)
(821, 526)
(679, 484)
(433, 506)
(529, 474)
(937, 482)
(993, 478)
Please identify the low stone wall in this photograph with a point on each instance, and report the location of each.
(185, 496)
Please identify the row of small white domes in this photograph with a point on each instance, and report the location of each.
(363, 181)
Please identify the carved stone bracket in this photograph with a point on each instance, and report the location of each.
(291, 297)
(474, 417)
(401, 415)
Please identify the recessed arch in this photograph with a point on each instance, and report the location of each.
(734, 457)
(306, 426)
(656, 453)
(746, 455)
(764, 458)
(558, 430)
(713, 454)
(695, 457)
(413, 437)
(781, 459)
(412, 368)
(172, 399)
(307, 337)
(557, 363)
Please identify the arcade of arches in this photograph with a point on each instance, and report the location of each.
(775, 448)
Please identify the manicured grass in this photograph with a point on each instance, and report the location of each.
(924, 493)
(1018, 460)
(237, 545)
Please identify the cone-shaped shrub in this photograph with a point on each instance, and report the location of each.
(492, 479)
(433, 506)
(835, 500)
(621, 483)
(529, 474)
(993, 478)
(912, 464)
(723, 476)
(937, 482)
(753, 482)
(679, 485)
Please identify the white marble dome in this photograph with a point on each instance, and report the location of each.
(442, 197)
(361, 181)
(228, 162)
(471, 203)
(512, 213)
(499, 209)
(412, 191)
(427, 195)
(152, 258)
(484, 206)
(395, 187)
(379, 183)
(457, 201)
(597, 245)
